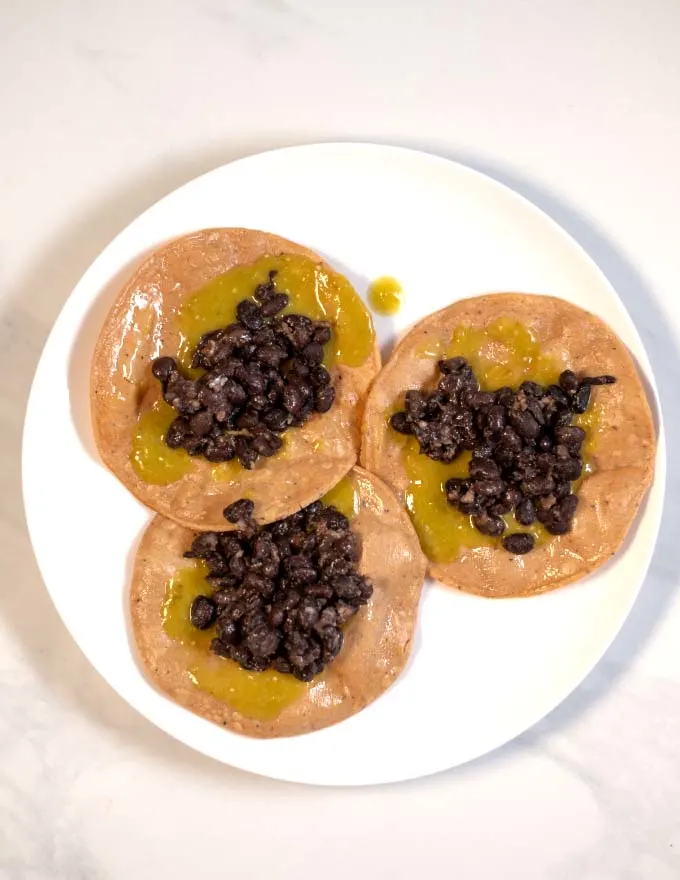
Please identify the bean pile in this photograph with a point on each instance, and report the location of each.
(280, 593)
(525, 450)
(263, 375)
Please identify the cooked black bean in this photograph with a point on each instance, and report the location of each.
(545, 462)
(558, 396)
(519, 543)
(525, 424)
(571, 436)
(505, 396)
(532, 388)
(201, 423)
(293, 397)
(163, 367)
(537, 486)
(416, 404)
(484, 469)
(321, 334)
(510, 440)
(525, 511)
(266, 443)
(227, 630)
(480, 399)
(202, 612)
(569, 469)
(296, 329)
(220, 448)
(319, 377)
(250, 314)
(525, 450)
(569, 381)
(267, 289)
(561, 490)
(274, 304)
(501, 505)
(451, 365)
(323, 398)
(455, 488)
(488, 488)
(178, 431)
(598, 380)
(581, 399)
(182, 394)
(240, 511)
(488, 524)
(495, 418)
(270, 355)
(276, 419)
(537, 410)
(312, 354)
(558, 520)
(401, 423)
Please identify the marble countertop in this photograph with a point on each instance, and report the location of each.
(107, 106)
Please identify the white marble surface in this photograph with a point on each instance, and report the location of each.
(104, 107)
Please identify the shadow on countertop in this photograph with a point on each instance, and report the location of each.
(26, 607)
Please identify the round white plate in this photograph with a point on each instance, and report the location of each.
(482, 671)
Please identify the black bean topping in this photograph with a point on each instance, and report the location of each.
(178, 432)
(401, 423)
(321, 333)
(276, 419)
(525, 511)
(250, 314)
(569, 469)
(263, 374)
(275, 304)
(519, 543)
(484, 469)
(281, 592)
(297, 330)
(240, 511)
(581, 399)
(532, 388)
(558, 518)
(525, 424)
(598, 380)
(312, 354)
(571, 436)
(488, 524)
(323, 398)
(416, 404)
(319, 377)
(526, 453)
(202, 612)
(451, 365)
(569, 382)
(163, 367)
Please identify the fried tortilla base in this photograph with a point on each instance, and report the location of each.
(623, 462)
(140, 327)
(377, 639)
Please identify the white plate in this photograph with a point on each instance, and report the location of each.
(482, 671)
